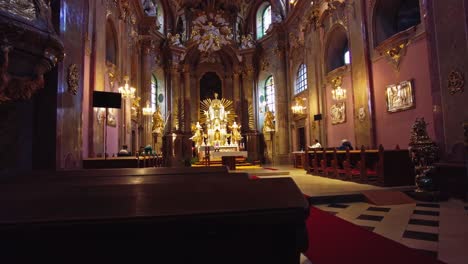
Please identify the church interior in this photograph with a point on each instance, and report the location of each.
(324, 131)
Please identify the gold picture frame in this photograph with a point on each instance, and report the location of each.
(400, 97)
(338, 113)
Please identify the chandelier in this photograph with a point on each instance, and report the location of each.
(338, 93)
(211, 32)
(126, 90)
(298, 108)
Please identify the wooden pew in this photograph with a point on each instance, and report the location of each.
(373, 166)
(171, 222)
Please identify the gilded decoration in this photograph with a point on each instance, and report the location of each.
(338, 113)
(400, 96)
(22, 8)
(112, 73)
(217, 116)
(362, 114)
(264, 64)
(396, 53)
(158, 122)
(136, 109)
(73, 79)
(394, 48)
(211, 32)
(456, 82)
(247, 41)
(269, 122)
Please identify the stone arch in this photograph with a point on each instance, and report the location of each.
(392, 17)
(336, 45)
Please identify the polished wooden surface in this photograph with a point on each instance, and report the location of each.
(199, 218)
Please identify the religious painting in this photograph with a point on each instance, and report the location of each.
(111, 121)
(338, 113)
(101, 116)
(399, 97)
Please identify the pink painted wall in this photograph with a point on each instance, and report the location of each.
(394, 128)
(335, 133)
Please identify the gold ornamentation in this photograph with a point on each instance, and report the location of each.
(268, 123)
(338, 93)
(158, 122)
(400, 96)
(338, 113)
(396, 53)
(18, 87)
(210, 32)
(362, 114)
(264, 64)
(113, 73)
(73, 79)
(136, 109)
(23, 8)
(456, 82)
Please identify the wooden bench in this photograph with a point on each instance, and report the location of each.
(170, 222)
(379, 167)
(123, 162)
(121, 176)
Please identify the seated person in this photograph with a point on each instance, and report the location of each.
(123, 151)
(316, 144)
(148, 150)
(345, 144)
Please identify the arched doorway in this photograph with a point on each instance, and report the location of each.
(210, 83)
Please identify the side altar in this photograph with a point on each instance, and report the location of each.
(217, 133)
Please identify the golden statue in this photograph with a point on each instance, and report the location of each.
(268, 124)
(198, 134)
(158, 122)
(236, 136)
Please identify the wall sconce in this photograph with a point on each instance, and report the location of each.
(147, 111)
(338, 93)
(126, 90)
(298, 108)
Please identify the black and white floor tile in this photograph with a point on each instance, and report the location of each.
(438, 229)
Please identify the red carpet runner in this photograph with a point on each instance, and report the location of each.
(334, 240)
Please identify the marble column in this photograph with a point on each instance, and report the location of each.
(146, 92)
(237, 94)
(187, 142)
(281, 139)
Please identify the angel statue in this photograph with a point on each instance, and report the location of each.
(198, 134)
(247, 41)
(268, 124)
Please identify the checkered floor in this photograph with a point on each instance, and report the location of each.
(439, 229)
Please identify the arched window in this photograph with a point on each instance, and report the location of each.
(154, 92)
(160, 16)
(347, 57)
(270, 94)
(111, 43)
(391, 17)
(301, 79)
(263, 19)
(337, 49)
